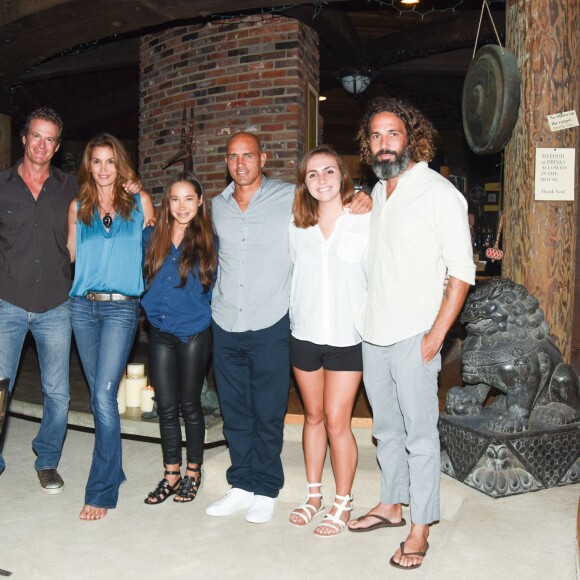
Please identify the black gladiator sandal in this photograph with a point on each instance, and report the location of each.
(163, 489)
(189, 486)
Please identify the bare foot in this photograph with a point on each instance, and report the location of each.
(90, 512)
(416, 543)
(391, 512)
(307, 512)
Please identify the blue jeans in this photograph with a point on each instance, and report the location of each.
(51, 331)
(104, 333)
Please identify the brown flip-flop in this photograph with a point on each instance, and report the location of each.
(403, 553)
(382, 523)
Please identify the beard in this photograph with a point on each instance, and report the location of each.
(388, 169)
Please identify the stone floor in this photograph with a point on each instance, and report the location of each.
(529, 537)
(532, 536)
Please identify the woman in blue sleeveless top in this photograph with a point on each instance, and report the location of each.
(180, 265)
(105, 229)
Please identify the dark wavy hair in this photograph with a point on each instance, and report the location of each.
(197, 246)
(88, 194)
(305, 207)
(420, 131)
(44, 114)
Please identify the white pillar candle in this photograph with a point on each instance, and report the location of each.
(135, 370)
(121, 400)
(133, 386)
(147, 395)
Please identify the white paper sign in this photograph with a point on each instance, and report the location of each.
(555, 174)
(564, 120)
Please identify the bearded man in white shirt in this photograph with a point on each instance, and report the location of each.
(419, 235)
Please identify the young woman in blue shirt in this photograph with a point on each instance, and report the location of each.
(180, 264)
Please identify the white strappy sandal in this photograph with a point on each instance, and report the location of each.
(308, 510)
(333, 521)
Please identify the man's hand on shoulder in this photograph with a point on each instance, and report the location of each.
(361, 203)
(132, 187)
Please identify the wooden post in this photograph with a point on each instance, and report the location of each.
(540, 240)
(5, 141)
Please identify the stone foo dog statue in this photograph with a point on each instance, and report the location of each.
(509, 347)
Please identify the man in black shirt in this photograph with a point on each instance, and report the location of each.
(35, 279)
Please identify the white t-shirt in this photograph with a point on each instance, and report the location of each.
(417, 236)
(329, 280)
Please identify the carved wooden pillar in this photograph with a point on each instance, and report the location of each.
(541, 237)
(5, 141)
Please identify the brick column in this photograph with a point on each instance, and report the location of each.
(249, 74)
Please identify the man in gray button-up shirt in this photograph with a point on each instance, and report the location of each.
(251, 326)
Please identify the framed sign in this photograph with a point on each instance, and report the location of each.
(555, 174)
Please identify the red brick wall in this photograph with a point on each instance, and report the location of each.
(248, 74)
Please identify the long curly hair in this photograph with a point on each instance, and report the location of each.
(197, 246)
(88, 194)
(305, 207)
(420, 131)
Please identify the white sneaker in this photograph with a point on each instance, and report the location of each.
(261, 510)
(235, 500)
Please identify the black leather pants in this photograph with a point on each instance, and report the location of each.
(177, 371)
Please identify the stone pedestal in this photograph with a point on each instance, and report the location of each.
(503, 464)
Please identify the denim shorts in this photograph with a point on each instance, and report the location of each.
(307, 356)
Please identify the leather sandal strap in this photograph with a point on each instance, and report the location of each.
(172, 472)
(342, 507)
(308, 494)
(189, 487)
(163, 488)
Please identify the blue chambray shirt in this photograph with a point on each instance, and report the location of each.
(254, 267)
(182, 312)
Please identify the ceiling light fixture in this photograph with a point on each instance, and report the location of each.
(355, 83)
(410, 2)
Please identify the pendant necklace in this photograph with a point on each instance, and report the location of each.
(107, 218)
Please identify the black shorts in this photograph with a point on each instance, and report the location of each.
(307, 356)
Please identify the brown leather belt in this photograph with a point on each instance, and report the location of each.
(108, 297)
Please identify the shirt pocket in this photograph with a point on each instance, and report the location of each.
(13, 216)
(59, 219)
(351, 247)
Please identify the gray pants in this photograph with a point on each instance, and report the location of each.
(402, 391)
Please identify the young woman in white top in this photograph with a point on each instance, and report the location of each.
(328, 246)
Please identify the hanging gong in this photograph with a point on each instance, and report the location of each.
(491, 98)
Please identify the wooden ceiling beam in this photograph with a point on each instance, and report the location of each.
(35, 30)
(436, 37)
(336, 31)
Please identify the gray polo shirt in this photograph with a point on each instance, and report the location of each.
(252, 291)
(35, 270)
